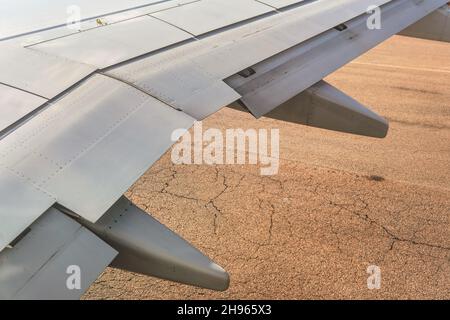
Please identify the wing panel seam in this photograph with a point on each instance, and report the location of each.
(29, 182)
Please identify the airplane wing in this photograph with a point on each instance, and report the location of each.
(91, 92)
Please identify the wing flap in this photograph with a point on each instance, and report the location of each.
(40, 264)
(103, 131)
(221, 55)
(183, 86)
(21, 203)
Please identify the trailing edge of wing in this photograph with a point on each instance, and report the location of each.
(280, 78)
(40, 264)
(189, 77)
(104, 130)
(21, 203)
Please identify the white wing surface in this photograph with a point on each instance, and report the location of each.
(91, 92)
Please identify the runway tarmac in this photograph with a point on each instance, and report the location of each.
(339, 204)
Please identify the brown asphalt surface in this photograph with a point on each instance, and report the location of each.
(311, 231)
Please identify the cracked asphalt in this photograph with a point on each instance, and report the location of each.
(338, 204)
